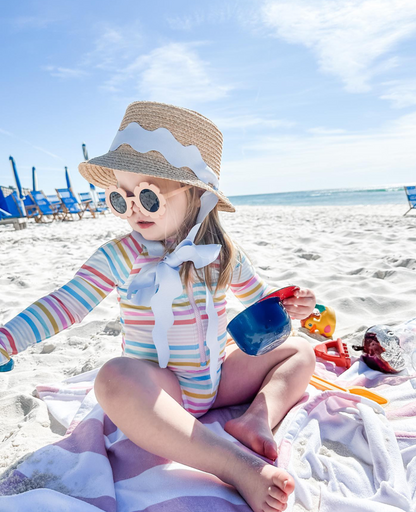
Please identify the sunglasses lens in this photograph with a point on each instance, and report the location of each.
(149, 200)
(118, 203)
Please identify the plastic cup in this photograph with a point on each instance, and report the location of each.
(261, 327)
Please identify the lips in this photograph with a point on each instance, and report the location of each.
(145, 224)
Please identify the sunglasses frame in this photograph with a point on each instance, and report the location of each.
(135, 199)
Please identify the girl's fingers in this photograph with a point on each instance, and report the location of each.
(303, 292)
(301, 301)
(299, 312)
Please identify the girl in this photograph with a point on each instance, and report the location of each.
(171, 273)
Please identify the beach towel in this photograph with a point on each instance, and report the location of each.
(346, 453)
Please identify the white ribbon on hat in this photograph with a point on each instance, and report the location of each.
(158, 284)
(164, 142)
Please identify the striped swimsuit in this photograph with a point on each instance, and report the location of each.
(109, 268)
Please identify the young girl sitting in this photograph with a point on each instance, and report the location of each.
(171, 273)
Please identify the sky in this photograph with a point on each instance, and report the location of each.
(309, 94)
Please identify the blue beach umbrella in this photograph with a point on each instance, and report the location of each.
(84, 151)
(92, 187)
(68, 179)
(34, 180)
(16, 177)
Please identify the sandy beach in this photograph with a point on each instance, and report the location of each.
(360, 260)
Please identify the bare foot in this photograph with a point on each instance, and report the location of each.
(254, 433)
(264, 487)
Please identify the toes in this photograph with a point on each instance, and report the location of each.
(284, 481)
(272, 508)
(277, 494)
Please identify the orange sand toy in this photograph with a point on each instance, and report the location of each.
(341, 358)
(325, 385)
(323, 320)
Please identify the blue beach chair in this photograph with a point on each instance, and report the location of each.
(11, 210)
(411, 197)
(70, 205)
(54, 199)
(38, 204)
(4, 214)
(87, 200)
(101, 201)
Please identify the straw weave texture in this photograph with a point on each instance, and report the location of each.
(187, 126)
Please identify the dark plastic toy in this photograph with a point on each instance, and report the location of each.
(381, 350)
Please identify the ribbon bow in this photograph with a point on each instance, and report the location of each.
(158, 284)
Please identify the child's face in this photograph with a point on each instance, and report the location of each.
(176, 206)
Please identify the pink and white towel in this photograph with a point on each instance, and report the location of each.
(346, 453)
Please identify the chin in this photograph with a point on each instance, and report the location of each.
(146, 235)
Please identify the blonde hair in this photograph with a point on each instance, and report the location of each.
(210, 232)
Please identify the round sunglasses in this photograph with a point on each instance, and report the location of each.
(147, 197)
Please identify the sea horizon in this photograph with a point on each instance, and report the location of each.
(329, 197)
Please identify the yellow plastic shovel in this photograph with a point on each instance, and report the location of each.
(323, 384)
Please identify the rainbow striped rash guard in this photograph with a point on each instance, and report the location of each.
(110, 267)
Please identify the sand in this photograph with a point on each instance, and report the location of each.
(360, 260)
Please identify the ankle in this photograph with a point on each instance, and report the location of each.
(237, 463)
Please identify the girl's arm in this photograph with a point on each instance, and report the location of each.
(62, 308)
(249, 287)
(246, 284)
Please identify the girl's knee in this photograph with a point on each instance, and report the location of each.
(301, 350)
(114, 376)
(305, 354)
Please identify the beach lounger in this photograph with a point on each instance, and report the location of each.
(87, 200)
(411, 198)
(12, 212)
(54, 199)
(101, 201)
(70, 205)
(38, 206)
(4, 214)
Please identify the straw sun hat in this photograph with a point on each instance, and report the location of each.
(186, 126)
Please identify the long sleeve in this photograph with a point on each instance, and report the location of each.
(246, 284)
(62, 308)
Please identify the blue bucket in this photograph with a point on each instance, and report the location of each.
(261, 327)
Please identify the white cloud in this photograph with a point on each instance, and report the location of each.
(173, 73)
(65, 72)
(186, 23)
(326, 160)
(215, 13)
(113, 46)
(401, 93)
(37, 22)
(352, 39)
(38, 148)
(320, 130)
(251, 121)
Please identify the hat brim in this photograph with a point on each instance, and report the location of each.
(99, 171)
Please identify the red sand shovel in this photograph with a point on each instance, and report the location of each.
(340, 358)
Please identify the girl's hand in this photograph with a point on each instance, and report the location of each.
(301, 305)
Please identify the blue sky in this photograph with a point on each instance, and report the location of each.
(309, 94)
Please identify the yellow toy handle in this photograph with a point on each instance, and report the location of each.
(325, 385)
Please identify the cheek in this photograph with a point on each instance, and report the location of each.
(176, 209)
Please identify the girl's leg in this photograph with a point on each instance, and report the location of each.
(144, 401)
(277, 380)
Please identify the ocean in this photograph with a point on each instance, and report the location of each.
(344, 196)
